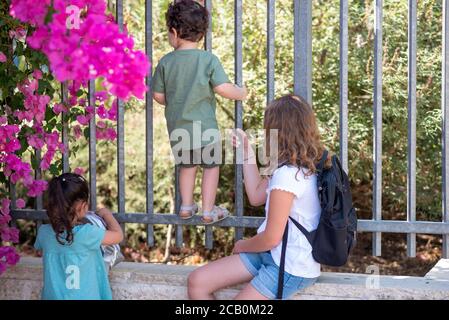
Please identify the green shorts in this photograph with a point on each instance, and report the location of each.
(209, 156)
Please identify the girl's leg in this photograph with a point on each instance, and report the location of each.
(224, 272)
(209, 187)
(186, 186)
(250, 293)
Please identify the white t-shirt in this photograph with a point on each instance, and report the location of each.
(306, 210)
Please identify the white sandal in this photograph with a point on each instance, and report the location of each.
(193, 209)
(217, 214)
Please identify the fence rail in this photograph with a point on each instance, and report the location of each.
(302, 26)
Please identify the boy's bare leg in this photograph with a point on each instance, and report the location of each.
(186, 186)
(209, 187)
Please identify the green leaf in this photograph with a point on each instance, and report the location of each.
(34, 163)
(54, 169)
(23, 145)
(86, 133)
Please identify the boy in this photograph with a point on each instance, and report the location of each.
(185, 81)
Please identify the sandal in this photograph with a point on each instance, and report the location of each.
(217, 214)
(193, 209)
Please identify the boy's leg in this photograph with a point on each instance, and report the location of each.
(228, 271)
(209, 187)
(187, 177)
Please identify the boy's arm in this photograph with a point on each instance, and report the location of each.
(159, 97)
(231, 91)
(114, 233)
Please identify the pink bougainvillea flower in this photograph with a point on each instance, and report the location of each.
(94, 48)
(101, 124)
(101, 96)
(102, 112)
(12, 257)
(29, 11)
(4, 209)
(112, 113)
(83, 120)
(36, 188)
(19, 33)
(58, 108)
(77, 131)
(80, 171)
(90, 110)
(4, 219)
(9, 255)
(20, 203)
(37, 74)
(16, 169)
(36, 141)
(111, 134)
(13, 145)
(73, 101)
(9, 234)
(2, 57)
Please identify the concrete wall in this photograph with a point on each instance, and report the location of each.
(151, 281)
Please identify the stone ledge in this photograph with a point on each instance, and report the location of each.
(439, 271)
(156, 282)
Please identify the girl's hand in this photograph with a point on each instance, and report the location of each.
(240, 140)
(238, 137)
(238, 247)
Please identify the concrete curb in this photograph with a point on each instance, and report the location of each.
(160, 282)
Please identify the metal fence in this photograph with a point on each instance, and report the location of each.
(302, 25)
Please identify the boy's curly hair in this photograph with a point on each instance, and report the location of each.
(189, 18)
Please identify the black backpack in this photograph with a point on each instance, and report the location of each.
(335, 235)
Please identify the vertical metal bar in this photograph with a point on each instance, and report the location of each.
(238, 113)
(12, 195)
(344, 84)
(65, 131)
(208, 37)
(92, 149)
(411, 152)
(303, 49)
(120, 134)
(179, 234)
(38, 176)
(209, 237)
(149, 119)
(377, 184)
(445, 107)
(271, 16)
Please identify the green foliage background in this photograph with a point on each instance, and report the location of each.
(325, 102)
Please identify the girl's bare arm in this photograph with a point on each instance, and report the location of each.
(114, 233)
(255, 184)
(278, 212)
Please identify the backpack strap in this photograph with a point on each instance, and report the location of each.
(307, 234)
(323, 159)
(282, 264)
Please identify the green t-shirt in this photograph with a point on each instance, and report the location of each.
(187, 78)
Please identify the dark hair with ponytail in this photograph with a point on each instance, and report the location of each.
(63, 193)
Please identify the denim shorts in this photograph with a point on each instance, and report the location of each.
(266, 273)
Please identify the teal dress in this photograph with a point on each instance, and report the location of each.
(75, 271)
